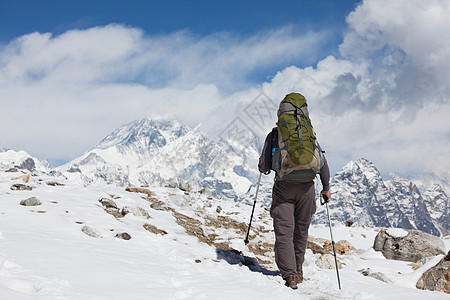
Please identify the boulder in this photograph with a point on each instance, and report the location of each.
(33, 201)
(437, 278)
(326, 261)
(92, 232)
(408, 245)
(136, 211)
(343, 247)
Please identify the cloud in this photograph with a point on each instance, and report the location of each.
(68, 91)
(386, 97)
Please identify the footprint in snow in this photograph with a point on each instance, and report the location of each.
(15, 284)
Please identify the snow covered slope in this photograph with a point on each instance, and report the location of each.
(178, 245)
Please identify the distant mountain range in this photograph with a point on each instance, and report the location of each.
(164, 151)
(362, 196)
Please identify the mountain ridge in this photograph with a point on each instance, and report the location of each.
(163, 151)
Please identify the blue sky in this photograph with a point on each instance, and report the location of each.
(201, 18)
(376, 73)
(159, 17)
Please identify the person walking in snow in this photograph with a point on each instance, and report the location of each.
(292, 151)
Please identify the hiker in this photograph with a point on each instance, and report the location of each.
(296, 159)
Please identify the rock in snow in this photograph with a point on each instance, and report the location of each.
(437, 278)
(92, 232)
(327, 261)
(412, 247)
(33, 201)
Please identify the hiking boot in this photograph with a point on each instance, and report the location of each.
(299, 277)
(291, 282)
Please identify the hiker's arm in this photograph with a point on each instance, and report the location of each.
(265, 160)
(325, 178)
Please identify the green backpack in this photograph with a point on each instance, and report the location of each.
(297, 156)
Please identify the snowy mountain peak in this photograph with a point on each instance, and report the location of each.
(161, 151)
(145, 134)
(22, 160)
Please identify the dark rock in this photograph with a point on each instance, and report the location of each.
(437, 278)
(123, 236)
(12, 170)
(33, 201)
(108, 203)
(27, 164)
(54, 183)
(21, 187)
(412, 247)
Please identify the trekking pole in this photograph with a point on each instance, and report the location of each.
(325, 201)
(253, 210)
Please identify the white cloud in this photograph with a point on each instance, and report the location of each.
(70, 90)
(387, 97)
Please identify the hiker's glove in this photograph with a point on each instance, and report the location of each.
(326, 195)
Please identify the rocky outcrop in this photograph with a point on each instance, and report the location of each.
(139, 190)
(437, 278)
(111, 207)
(28, 164)
(413, 246)
(363, 196)
(154, 229)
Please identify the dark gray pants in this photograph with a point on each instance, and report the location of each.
(293, 205)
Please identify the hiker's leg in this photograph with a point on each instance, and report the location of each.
(282, 212)
(305, 207)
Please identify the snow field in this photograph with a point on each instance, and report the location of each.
(45, 255)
